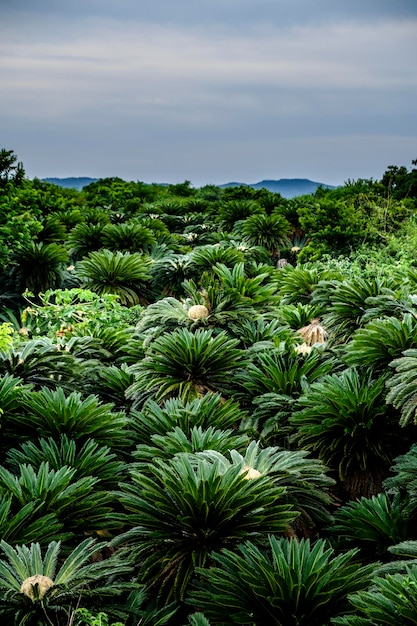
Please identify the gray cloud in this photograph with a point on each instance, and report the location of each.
(209, 91)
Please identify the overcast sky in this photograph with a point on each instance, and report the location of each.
(209, 90)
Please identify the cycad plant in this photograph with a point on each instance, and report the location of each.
(373, 524)
(39, 266)
(210, 410)
(187, 365)
(123, 274)
(51, 413)
(188, 507)
(381, 341)
(128, 237)
(79, 504)
(270, 231)
(293, 583)
(308, 488)
(343, 418)
(390, 601)
(42, 589)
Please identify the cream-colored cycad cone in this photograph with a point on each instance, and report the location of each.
(198, 312)
(43, 583)
(313, 332)
(249, 472)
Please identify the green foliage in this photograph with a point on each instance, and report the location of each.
(122, 274)
(391, 601)
(403, 386)
(381, 341)
(56, 586)
(294, 583)
(187, 508)
(187, 364)
(343, 418)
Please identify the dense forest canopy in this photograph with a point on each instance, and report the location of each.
(208, 403)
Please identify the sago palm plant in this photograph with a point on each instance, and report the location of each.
(186, 508)
(294, 583)
(187, 365)
(390, 601)
(343, 418)
(42, 589)
(49, 413)
(211, 410)
(123, 274)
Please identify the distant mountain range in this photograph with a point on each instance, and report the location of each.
(287, 187)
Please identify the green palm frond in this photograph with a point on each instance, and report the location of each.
(269, 231)
(42, 363)
(178, 441)
(88, 459)
(25, 523)
(403, 386)
(373, 524)
(39, 588)
(79, 504)
(297, 284)
(39, 266)
(204, 258)
(235, 211)
(305, 480)
(188, 507)
(85, 238)
(348, 305)
(209, 410)
(294, 583)
(128, 237)
(391, 601)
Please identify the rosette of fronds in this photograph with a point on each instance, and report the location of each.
(169, 272)
(271, 384)
(41, 363)
(184, 509)
(187, 365)
(293, 583)
(235, 211)
(308, 488)
(297, 315)
(203, 258)
(49, 413)
(80, 504)
(373, 524)
(211, 410)
(381, 341)
(85, 238)
(128, 237)
(39, 266)
(269, 231)
(259, 332)
(27, 523)
(123, 274)
(343, 418)
(296, 284)
(390, 601)
(178, 441)
(88, 459)
(348, 304)
(41, 588)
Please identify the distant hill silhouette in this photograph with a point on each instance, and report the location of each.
(70, 183)
(287, 187)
